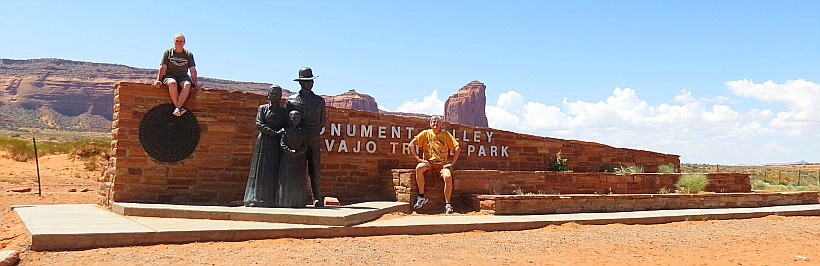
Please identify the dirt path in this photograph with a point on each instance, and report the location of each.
(772, 240)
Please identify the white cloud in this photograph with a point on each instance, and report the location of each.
(801, 98)
(511, 101)
(500, 118)
(623, 108)
(684, 97)
(759, 115)
(698, 129)
(723, 99)
(430, 105)
(775, 147)
(541, 116)
(720, 114)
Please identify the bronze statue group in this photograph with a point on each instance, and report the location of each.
(288, 142)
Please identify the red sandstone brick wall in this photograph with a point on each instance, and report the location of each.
(467, 183)
(548, 204)
(359, 170)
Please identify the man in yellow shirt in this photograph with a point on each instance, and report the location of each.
(436, 146)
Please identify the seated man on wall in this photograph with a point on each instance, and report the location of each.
(173, 71)
(436, 145)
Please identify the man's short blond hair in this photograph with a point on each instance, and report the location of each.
(179, 35)
(440, 119)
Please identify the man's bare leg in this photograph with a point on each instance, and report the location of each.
(420, 169)
(172, 90)
(186, 89)
(448, 184)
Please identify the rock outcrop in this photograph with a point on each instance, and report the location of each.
(78, 96)
(353, 100)
(73, 88)
(466, 106)
(50, 93)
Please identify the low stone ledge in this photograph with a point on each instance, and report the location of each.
(578, 203)
(467, 183)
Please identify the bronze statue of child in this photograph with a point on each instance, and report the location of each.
(292, 187)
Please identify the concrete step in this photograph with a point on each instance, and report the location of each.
(347, 215)
(85, 226)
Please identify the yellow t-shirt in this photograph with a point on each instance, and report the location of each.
(436, 147)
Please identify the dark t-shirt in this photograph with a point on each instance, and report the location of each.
(178, 63)
(312, 107)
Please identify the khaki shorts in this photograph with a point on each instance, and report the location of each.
(436, 167)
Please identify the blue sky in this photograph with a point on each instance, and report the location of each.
(719, 82)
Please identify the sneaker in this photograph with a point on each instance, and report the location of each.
(182, 111)
(448, 209)
(420, 202)
(176, 112)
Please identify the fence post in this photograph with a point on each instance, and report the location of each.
(37, 164)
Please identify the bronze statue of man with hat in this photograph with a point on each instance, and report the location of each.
(314, 116)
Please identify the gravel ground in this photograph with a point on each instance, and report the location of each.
(772, 240)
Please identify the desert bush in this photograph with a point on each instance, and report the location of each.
(91, 152)
(667, 168)
(22, 150)
(664, 190)
(692, 183)
(87, 148)
(763, 185)
(560, 164)
(631, 169)
(18, 149)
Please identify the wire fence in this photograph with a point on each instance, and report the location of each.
(788, 177)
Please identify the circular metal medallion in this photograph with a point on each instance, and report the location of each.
(169, 138)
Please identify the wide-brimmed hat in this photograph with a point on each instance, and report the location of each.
(305, 74)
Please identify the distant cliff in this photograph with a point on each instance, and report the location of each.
(353, 100)
(467, 105)
(73, 88)
(78, 96)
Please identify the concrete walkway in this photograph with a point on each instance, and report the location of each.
(85, 226)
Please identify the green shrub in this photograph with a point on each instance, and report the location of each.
(87, 148)
(18, 149)
(763, 185)
(667, 168)
(560, 164)
(692, 183)
(22, 150)
(664, 190)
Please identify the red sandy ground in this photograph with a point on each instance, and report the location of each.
(773, 240)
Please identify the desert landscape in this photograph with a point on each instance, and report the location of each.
(588, 133)
(70, 175)
(772, 240)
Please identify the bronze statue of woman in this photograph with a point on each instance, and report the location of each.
(262, 180)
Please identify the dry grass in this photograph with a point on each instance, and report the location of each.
(768, 177)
